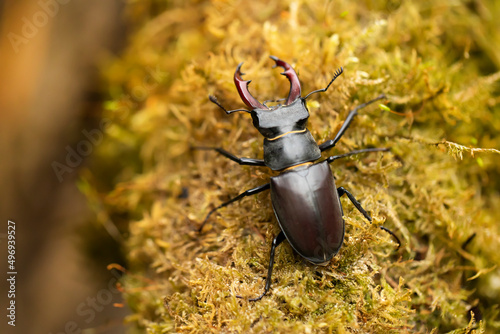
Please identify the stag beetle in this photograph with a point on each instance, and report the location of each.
(304, 197)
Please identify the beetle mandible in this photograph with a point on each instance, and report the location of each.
(304, 197)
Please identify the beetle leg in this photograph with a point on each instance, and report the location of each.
(393, 235)
(276, 241)
(348, 154)
(467, 242)
(240, 161)
(249, 192)
(341, 191)
(332, 142)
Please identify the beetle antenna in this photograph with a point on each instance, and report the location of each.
(213, 99)
(336, 75)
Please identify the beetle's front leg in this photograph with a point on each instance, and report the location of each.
(240, 161)
(332, 142)
(341, 191)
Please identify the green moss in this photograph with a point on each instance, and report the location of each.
(437, 62)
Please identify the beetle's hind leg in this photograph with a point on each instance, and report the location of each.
(241, 161)
(276, 242)
(392, 234)
(249, 192)
(341, 191)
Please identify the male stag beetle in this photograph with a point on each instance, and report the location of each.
(304, 197)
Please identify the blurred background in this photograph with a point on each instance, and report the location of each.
(50, 95)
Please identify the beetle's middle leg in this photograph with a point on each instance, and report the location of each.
(332, 142)
(223, 152)
(276, 241)
(249, 192)
(348, 154)
(341, 191)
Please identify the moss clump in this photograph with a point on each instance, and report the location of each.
(437, 63)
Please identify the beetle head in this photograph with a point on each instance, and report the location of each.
(250, 101)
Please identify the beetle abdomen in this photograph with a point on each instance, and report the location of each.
(309, 213)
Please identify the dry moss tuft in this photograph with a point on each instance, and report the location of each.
(438, 63)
